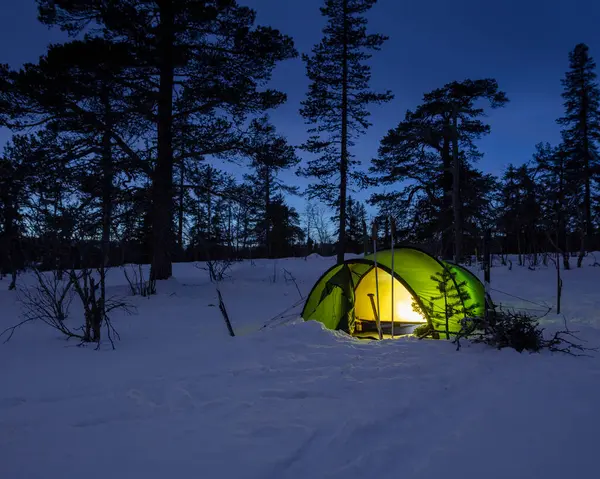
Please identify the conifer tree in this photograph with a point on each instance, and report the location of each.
(520, 209)
(208, 51)
(555, 195)
(430, 153)
(285, 227)
(337, 100)
(270, 154)
(77, 91)
(455, 298)
(581, 133)
(355, 218)
(15, 177)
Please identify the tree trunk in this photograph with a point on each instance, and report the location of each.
(107, 181)
(209, 205)
(162, 191)
(268, 239)
(107, 187)
(308, 216)
(587, 229)
(341, 249)
(230, 229)
(587, 174)
(10, 240)
(581, 249)
(447, 186)
(561, 225)
(181, 206)
(456, 204)
(558, 284)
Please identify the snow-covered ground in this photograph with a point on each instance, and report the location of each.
(179, 398)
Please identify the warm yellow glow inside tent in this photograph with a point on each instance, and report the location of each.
(403, 300)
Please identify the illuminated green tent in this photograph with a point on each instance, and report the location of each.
(345, 298)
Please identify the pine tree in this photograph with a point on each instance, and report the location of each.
(520, 210)
(355, 217)
(48, 197)
(270, 154)
(450, 106)
(285, 227)
(77, 91)
(337, 101)
(455, 296)
(209, 188)
(420, 154)
(208, 51)
(556, 196)
(15, 177)
(581, 133)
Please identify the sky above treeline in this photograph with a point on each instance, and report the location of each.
(523, 44)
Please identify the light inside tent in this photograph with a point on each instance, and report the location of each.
(402, 303)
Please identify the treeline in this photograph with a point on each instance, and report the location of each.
(130, 120)
(549, 203)
(119, 134)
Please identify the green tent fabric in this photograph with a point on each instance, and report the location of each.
(344, 297)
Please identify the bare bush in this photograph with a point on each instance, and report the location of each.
(138, 285)
(217, 268)
(317, 219)
(96, 306)
(49, 301)
(520, 331)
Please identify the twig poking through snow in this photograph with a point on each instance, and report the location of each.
(12, 329)
(224, 313)
(520, 331)
(290, 277)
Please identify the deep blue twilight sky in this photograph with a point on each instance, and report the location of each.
(524, 44)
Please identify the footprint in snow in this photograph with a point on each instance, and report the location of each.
(283, 394)
(6, 403)
(140, 398)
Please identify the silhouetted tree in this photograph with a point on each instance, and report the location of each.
(555, 196)
(14, 180)
(270, 154)
(429, 151)
(79, 92)
(581, 133)
(520, 209)
(285, 227)
(355, 217)
(337, 101)
(206, 51)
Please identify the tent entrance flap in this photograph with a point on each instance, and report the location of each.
(402, 301)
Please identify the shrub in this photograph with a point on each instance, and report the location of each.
(518, 330)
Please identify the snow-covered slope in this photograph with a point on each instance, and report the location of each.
(180, 398)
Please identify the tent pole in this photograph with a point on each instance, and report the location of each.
(393, 231)
(377, 317)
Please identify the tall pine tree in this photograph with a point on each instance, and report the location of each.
(270, 153)
(581, 133)
(337, 100)
(206, 51)
(432, 149)
(555, 196)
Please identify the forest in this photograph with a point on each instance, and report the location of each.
(119, 137)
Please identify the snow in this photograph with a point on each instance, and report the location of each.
(180, 398)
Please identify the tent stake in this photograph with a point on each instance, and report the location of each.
(370, 295)
(377, 319)
(393, 231)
